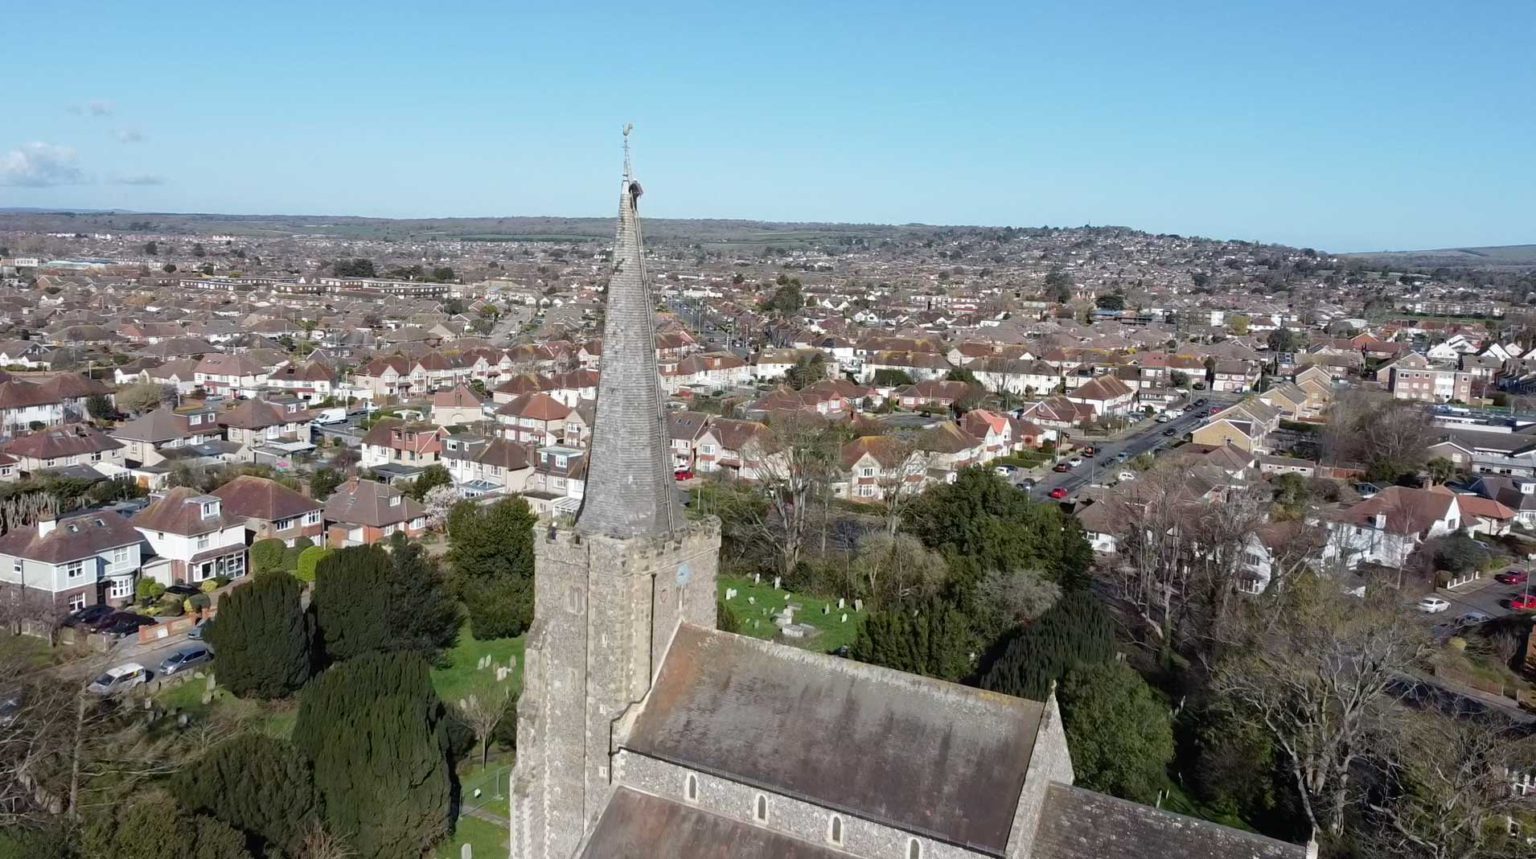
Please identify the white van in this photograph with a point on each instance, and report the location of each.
(118, 679)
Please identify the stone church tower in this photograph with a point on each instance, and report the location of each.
(611, 591)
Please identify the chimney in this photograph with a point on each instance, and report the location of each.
(46, 525)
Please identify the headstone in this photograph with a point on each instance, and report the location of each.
(858, 605)
(751, 600)
(841, 604)
(826, 608)
(501, 673)
(844, 618)
(777, 582)
(757, 578)
(466, 852)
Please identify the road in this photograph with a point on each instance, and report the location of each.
(1146, 439)
(701, 321)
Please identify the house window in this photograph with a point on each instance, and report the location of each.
(96, 456)
(691, 788)
(867, 471)
(16, 566)
(760, 809)
(202, 541)
(74, 569)
(119, 556)
(835, 830)
(76, 602)
(210, 508)
(706, 448)
(560, 461)
(312, 517)
(120, 588)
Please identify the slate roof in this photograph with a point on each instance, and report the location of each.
(929, 757)
(640, 826)
(1081, 824)
(60, 442)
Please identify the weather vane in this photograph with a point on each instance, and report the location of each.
(628, 127)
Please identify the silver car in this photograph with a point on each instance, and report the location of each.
(186, 657)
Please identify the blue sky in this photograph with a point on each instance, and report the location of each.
(1345, 125)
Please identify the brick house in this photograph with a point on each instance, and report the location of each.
(394, 441)
(271, 510)
(364, 512)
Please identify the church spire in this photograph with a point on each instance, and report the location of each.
(629, 488)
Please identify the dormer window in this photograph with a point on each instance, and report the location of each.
(210, 509)
(394, 501)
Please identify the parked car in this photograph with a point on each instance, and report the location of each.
(684, 474)
(1512, 577)
(1433, 605)
(118, 679)
(1061, 466)
(88, 616)
(1027, 483)
(186, 657)
(1523, 602)
(1163, 418)
(1058, 493)
(1088, 452)
(197, 633)
(183, 590)
(125, 623)
(1122, 456)
(1003, 470)
(1074, 462)
(1125, 475)
(1473, 618)
(1170, 432)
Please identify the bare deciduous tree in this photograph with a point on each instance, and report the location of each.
(897, 567)
(1448, 789)
(483, 710)
(1316, 667)
(794, 461)
(1385, 436)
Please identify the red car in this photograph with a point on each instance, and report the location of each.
(1058, 493)
(1524, 602)
(1512, 577)
(683, 475)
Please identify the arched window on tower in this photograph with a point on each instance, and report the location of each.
(914, 849)
(760, 809)
(691, 788)
(835, 830)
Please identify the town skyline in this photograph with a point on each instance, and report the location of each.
(1304, 126)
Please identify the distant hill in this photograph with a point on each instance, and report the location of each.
(1510, 256)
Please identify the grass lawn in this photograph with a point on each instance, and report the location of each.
(459, 675)
(30, 650)
(834, 633)
(483, 837)
(275, 718)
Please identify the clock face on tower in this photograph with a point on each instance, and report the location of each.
(684, 573)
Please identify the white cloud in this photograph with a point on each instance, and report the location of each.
(130, 135)
(141, 179)
(38, 165)
(97, 107)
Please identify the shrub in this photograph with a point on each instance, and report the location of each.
(148, 589)
(262, 638)
(267, 555)
(209, 586)
(171, 608)
(199, 602)
(309, 560)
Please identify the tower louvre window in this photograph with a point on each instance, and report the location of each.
(760, 809)
(691, 788)
(835, 830)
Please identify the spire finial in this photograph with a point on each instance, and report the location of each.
(628, 127)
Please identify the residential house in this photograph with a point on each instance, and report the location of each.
(482, 466)
(731, 446)
(26, 405)
(457, 406)
(270, 510)
(145, 436)
(364, 512)
(537, 419)
(684, 429)
(392, 441)
(63, 447)
(230, 375)
(1431, 385)
(253, 423)
(1106, 395)
(60, 565)
(192, 538)
(1517, 494)
(874, 466)
(1386, 528)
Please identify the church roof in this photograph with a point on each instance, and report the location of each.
(928, 757)
(1081, 824)
(640, 826)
